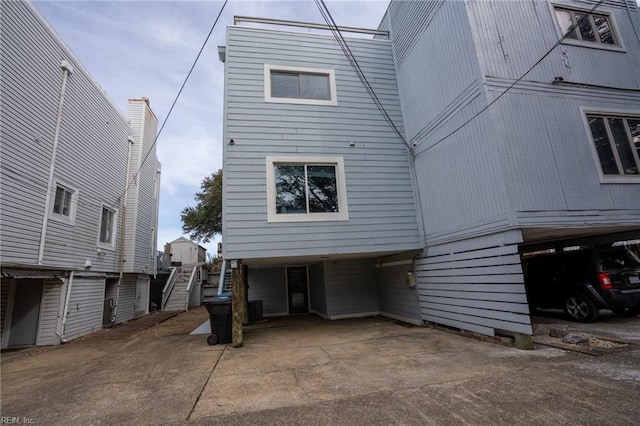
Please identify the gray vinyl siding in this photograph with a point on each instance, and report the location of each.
(317, 290)
(552, 176)
(396, 299)
(270, 286)
(565, 189)
(5, 288)
(350, 288)
(475, 285)
(527, 161)
(30, 90)
(50, 313)
(85, 307)
(127, 298)
(459, 178)
(519, 34)
(377, 172)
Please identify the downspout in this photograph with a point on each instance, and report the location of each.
(123, 231)
(66, 308)
(66, 72)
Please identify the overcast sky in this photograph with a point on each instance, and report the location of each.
(145, 48)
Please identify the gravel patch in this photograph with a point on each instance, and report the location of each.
(594, 342)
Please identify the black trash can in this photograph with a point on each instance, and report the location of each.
(220, 318)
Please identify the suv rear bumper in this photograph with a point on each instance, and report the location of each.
(616, 299)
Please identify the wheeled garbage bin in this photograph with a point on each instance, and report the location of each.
(220, 318)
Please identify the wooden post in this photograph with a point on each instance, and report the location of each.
(523, 341)
(237, 306)
(245, 295)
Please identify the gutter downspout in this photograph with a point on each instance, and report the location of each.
(67, 69)
(123, 230)
(66, 308)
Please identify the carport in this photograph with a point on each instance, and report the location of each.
(540, 242)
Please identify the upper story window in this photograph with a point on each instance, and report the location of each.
(616, 139)
(311, 86)
(64, 202)
(306, 189)
(107, 228)
(591, 28)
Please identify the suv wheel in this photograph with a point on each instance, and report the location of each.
(580, 308)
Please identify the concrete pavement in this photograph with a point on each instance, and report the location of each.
(304, 370)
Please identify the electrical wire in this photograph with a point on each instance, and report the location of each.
(337, 34)
(486, 107)
(184, 83)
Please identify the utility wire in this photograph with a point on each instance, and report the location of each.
(556, 44)
(337, 34)
(184, 83)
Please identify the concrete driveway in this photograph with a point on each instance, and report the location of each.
(304, 370)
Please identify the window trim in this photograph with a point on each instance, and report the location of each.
(58, 217)
(114, 228)
(607, 112)
(273, 217)
(268, 68)
(619, 47)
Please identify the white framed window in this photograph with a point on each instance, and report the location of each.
(298, 85)
(306, 188)
(615, 139)
(593, 29)
(107, 231)
(65, 200)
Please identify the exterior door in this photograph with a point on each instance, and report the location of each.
(298, 290)
(142, 296)
(26, 312)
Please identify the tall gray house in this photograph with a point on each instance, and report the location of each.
(79, 208)
(335, 213)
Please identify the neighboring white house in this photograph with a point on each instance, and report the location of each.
(186, 252)
(79, 207)
(337, 212)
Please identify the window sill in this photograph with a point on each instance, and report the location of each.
(106, 246)
(296, 101)
(62, 219)
(307, 217)
(593, 45)
(608, 179)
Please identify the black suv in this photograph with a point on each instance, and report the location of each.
(585, 281)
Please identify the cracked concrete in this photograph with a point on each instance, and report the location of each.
(304, 370)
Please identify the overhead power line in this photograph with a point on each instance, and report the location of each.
(184, 83)
(512, 85)
(337, 34)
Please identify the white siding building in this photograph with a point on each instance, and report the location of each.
(68, 194)
(186, 252)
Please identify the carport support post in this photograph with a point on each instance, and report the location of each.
(523, 341)
(237, 305)
(245, 295)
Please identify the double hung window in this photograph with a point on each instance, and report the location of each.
(65, 199)
(107, 228)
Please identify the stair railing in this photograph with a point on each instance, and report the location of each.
(223, 271)
(168, 287)
(195, 277)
